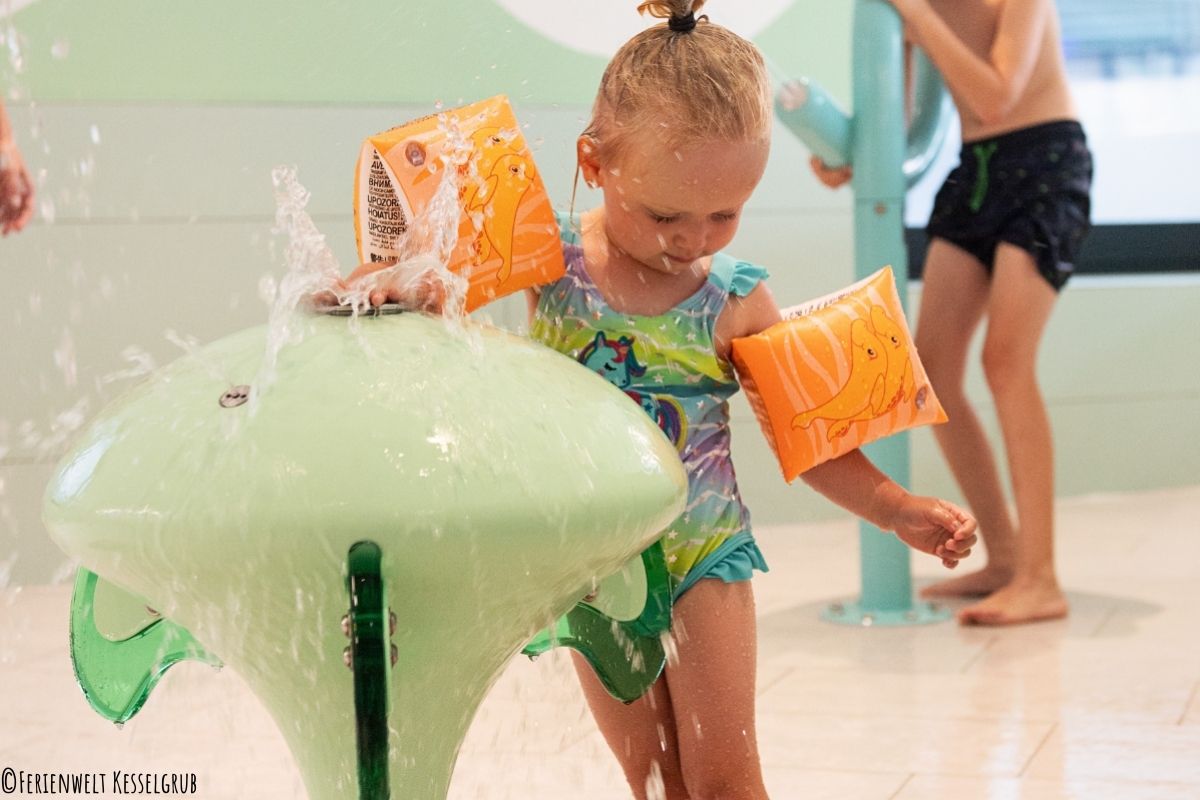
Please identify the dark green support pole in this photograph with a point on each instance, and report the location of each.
(369, 656)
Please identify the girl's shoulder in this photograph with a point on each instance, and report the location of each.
(735, 276)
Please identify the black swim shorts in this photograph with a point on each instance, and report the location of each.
(1030, 188)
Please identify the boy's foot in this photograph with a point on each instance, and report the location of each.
(979, 583)
(1016, 604)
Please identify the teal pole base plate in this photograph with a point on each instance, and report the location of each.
(852, 612)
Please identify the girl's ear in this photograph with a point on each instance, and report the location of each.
(587, 154)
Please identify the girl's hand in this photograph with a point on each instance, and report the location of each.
(936, 527)
(423, 291)
(833, 177)
(371, 283)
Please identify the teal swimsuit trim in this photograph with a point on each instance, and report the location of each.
(735, 560)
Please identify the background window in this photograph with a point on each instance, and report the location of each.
(1134, 69)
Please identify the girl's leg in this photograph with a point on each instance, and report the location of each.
(953, 301)
(1018, 309)
(712, 686)
(695, 728)
(641, 734)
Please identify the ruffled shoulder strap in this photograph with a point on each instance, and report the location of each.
(735, 277)
(568, 227)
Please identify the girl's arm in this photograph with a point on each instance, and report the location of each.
(745, 316)
(858, 486)
(991, 86)
(926, 524)
(852, 481)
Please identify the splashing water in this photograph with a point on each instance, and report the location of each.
(312, 267)
(425, 253)
(656, 788)
(11, 40)
(422, 269)
(48, 445)
(193, 348)
(140, 363)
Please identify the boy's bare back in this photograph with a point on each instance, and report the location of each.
(979, 24)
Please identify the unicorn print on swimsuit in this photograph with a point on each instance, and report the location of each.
(617, 363)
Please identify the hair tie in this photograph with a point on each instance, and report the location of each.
(682, 24)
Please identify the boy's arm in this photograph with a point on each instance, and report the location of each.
(924, 523)
(836, 177)
(989, 87)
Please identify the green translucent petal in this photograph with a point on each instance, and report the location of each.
(627, 655)
(117, 674)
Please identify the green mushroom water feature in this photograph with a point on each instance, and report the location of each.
(417, 500)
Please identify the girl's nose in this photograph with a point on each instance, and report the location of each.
(691, 237)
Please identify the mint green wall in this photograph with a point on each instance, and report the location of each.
(281, 51)
(338, 51)
(155, 136)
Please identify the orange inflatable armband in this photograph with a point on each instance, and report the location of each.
(837, 373)
(469, 165)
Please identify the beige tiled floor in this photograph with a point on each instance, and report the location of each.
(1103, 705)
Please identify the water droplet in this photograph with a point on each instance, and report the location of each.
(94, 132)
(60, 49)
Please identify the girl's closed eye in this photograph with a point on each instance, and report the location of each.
(725, 216)
(663, 219)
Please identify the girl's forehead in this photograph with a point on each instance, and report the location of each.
(717, 167)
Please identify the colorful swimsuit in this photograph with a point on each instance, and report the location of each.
(668, 364)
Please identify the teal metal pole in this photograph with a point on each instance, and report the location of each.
(877, 150)
(875, 141)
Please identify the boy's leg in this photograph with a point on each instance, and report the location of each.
(712, 685)
(641, 734)
(1018, 308)
(953, 300)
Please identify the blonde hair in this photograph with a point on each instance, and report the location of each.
(681, 85)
